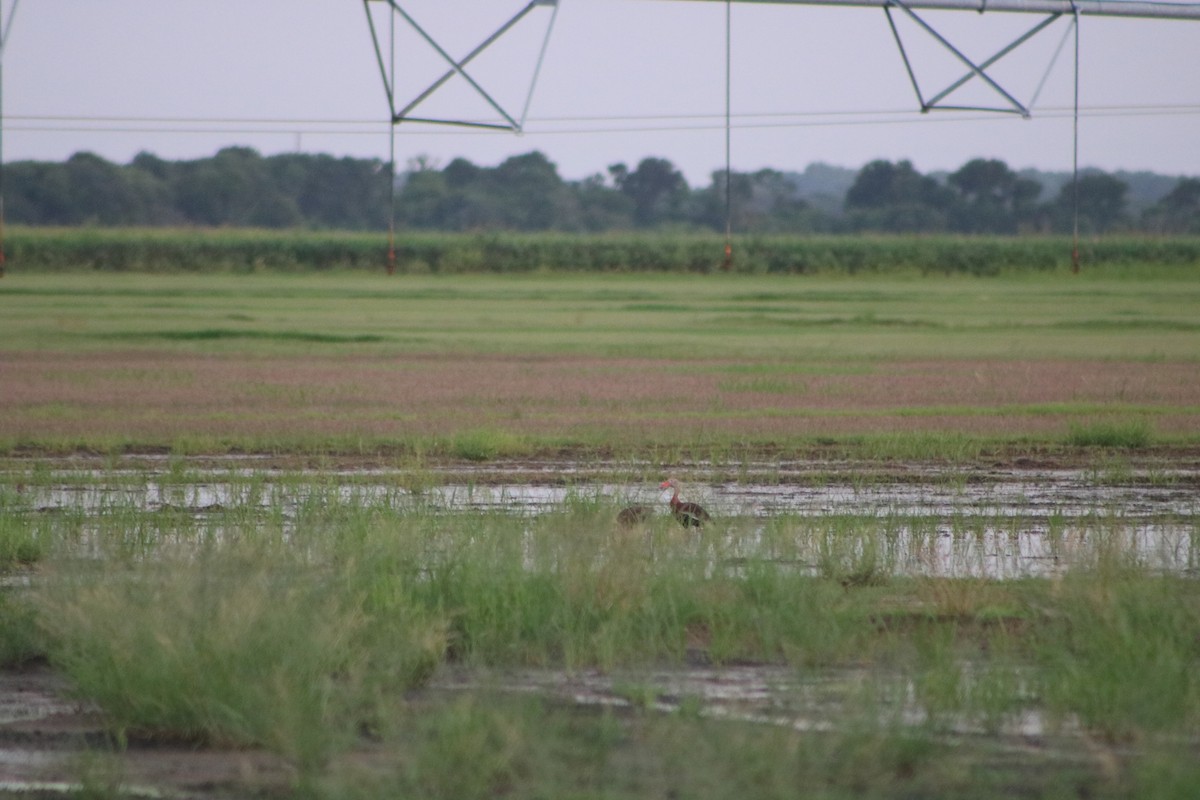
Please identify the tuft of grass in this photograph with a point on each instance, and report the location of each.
(852, 555)
(485, 444)
(234, 648)
(20, 639)
(20, 544)
(490, 744)
(1121, 652)
(1123, 434)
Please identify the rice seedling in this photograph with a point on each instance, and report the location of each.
(487, 445)
(20, 544)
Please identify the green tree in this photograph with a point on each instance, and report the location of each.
(421, 200)
(38, 193)
(153, 165)
(602, 208)
(991, 198)
(709, 205)
(1102, 204)
(472, 201)
(896, 198)
(234, 188)
(774, 205)
(85, 189)
(100, 192)
(537, 197)
(1178, 211)
(765, 201)
(658, 190)
(328, 192)
(524, 192)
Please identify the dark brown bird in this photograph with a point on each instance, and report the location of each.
(689, 515)
(634, 515)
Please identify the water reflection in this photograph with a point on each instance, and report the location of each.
(997, 524)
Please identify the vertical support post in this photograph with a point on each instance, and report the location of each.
(727, 264)
(391, 253)
(1075, 155)
(5, 28)
(387, 71)
(2, 254)
(391, 170)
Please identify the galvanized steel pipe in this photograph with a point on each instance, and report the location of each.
(1094, 8)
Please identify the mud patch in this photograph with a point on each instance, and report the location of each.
(52, 746)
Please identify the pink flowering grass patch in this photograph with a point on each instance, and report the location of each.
(161, 400)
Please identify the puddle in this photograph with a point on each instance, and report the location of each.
(29, 704)
(804, 700)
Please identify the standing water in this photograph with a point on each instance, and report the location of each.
(999, 523)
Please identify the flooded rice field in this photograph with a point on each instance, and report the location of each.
(994, 522)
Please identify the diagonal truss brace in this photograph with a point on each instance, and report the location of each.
(974, 70)
(7, 26)
(456, 67)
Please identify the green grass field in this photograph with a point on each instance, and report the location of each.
(358, 363)
(772, 318)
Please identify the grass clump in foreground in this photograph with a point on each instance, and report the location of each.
(234, 651)
(1123, 654)
(302, 618)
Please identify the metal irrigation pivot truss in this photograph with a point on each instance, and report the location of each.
(511, 122)
(455, 67)
(1051, 10)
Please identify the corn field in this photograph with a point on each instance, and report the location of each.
(242, 250)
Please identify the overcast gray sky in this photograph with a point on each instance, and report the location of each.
(621, 80)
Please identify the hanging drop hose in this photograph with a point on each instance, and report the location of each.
(727, 264)
(5, 28)
(391, 252)
(1075, 156)
(2, 257)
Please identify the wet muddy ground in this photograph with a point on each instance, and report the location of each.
(996, 521)
(993, 521)
(51, 745)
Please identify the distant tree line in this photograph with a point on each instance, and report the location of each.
(236, 187)
(239, 187)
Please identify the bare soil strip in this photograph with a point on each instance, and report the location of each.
(153, 400)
